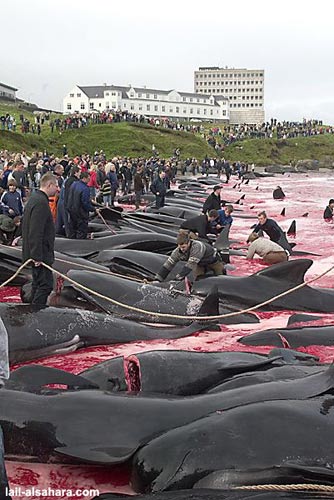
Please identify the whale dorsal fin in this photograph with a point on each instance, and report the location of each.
(292, 271)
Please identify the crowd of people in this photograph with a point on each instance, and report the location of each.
(217, 136)
(228, 134)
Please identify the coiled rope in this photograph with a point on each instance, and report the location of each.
(168, 315)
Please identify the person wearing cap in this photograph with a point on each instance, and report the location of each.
(198, 257)
(201, 225)
(329, 211)
(213, 201)
(272, 229)
(271, 252)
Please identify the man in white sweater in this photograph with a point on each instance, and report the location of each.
(271, 252)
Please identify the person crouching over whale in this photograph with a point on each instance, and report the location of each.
(271, 252)
(198, 256)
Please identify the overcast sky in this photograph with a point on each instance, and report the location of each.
(48, 46)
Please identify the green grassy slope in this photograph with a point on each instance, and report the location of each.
(131, 139)
(119, 138)
(272, 151)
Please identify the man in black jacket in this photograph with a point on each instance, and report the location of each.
(272, 229)
(201, 225)
(213, 201)
(159, 188)
(38, 235)
(329, 210)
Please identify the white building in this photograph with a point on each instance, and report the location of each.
(243, 87)
(147, 102)
(7, 92)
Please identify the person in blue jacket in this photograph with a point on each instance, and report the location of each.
(79, 206)
(225, 217)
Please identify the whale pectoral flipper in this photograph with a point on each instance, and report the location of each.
(30, 377)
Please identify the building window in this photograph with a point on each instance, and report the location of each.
(125, 105)
(148, 107)
(91, 105)
(139, 95)
(78, 95)
(155, 96)
(107, 93)
(198, 100)
(211, 112)
(163, 108)
(71, 95)
(155, 108)
(171, 110)
(113, 93)
(132, 107)
(147, 96)
(177, 109)
(191, 111)
(184, 98)
(132, 94)
(198, 111)
(224, 112)
(191, 99)
(100, 105)
(69, 106)
(204, 111)
(140, 107)
(184, 110)
(107, 105)
(82, 105)
(114, 105)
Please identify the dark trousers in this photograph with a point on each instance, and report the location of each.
(78, 227)
(159, 201)
(42, 285)
(138, 195)
(62, 220)
(3, 475)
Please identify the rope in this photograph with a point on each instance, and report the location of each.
(166, 315)
(287, 487)
(105, 222)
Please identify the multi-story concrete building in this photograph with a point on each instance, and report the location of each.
(148, 102)
(7, 92)
(243, 87)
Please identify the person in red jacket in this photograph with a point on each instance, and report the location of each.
(92, 183)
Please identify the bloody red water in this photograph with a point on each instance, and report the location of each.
(304, 193)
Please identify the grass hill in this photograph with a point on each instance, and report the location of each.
(132, 139)
(274, 151)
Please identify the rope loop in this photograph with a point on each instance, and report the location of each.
(167, 315)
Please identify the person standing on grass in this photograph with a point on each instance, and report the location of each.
(38, 235)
